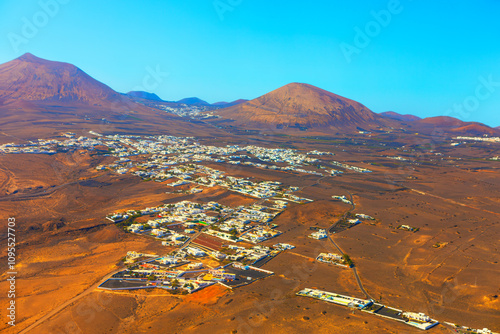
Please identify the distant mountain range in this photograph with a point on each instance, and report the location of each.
(303, 107)
(144, 95)
(192, 101)
(399, 117)
(444, 123)
(454, 125)
(229, 104)
(35, 91)
(39, 97)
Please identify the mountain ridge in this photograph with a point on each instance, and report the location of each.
(31, 78)
(303, 106)
(400, 117)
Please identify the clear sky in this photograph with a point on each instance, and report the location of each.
(424, 58)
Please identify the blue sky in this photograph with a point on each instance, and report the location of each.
(425, 58)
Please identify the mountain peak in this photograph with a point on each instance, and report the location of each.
(194, 101)
(302, 106)
(400, 117)
(144, 95)
(30, 78)
(31, 58)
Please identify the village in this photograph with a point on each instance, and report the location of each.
(205, 242)
(214, 244)
(158, 153)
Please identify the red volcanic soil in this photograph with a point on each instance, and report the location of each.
(400, 117)
(299, 105)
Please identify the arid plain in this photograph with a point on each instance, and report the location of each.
(448, 269)
(445, 189)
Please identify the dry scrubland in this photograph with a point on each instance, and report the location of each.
(66, 247)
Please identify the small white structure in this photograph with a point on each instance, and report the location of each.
(417, 316)
(195, 251)
(153, 224)
(318, 235)
(197, 265)
(157, 232)
(354, 221)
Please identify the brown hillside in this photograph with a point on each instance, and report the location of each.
(302, 105)
(400, 117)
(454, 126)
(31, 78)
(40, 98)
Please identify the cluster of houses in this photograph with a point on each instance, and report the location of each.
(178, 272)
(49, 146)
(162, 157)
(187, 110)
(175, 223)
(349, 167)
(240, 221)
(259, 234)
(249, 255)
(485, 138)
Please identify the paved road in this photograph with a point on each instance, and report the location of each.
(354, 270)
(360, 284)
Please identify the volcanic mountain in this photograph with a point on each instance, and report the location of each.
(302, 106)
(194, 101)
(144, 95)
(223, 104)
(400, 117)
(30, 78)
(453, 125)
(39, 97)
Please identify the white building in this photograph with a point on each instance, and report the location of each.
(195, 251)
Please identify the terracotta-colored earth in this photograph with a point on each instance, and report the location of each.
(66, 246)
